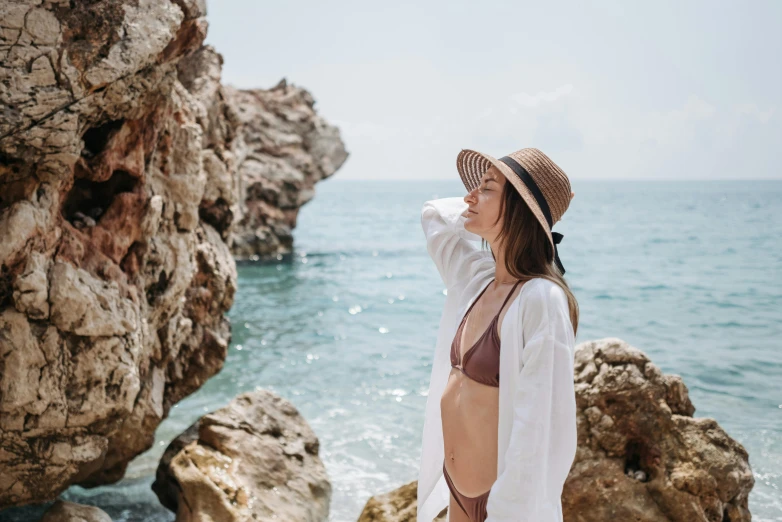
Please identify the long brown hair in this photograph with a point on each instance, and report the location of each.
(527, 248)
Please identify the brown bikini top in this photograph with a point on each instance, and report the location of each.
(482, 361)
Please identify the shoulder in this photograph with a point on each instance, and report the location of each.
(542, 292)
(541, 302)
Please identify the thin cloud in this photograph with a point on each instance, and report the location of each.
(751, 109)
(529, 100)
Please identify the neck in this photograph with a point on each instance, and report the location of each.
(501, 275)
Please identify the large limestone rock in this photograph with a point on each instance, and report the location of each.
(285, 148)
(641, 455)
(254, 459)
(113, 287)
(633, 419)
(62, 511)
(119, 192)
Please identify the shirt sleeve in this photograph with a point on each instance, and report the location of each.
(543, 438)
(450, 245)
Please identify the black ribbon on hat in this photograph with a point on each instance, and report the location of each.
(522, 173)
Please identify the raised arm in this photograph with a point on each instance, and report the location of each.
(543, 438)
(454, 250)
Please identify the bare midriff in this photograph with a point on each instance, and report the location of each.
(470, 416)
(469, 405)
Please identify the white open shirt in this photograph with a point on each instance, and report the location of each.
(537, 406)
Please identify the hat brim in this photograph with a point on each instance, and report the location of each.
(471, 166)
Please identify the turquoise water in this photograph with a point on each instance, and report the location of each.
(689, 272)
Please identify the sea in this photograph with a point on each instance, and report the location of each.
(689, 272)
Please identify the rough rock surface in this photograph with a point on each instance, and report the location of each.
(254, 459)
(641, 455)
(119, 153)
(398, 505)
(62, 511)
(114, 279)
(119, 192)
(633, 419)
(285, 148)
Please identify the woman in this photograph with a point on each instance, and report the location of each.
(500, 426)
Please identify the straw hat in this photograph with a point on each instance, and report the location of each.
(541, 183)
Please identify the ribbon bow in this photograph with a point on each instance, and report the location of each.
(557, 237)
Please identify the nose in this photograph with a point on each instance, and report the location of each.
(470, 196)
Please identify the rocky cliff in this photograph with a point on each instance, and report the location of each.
(285, 148)
(120, 155)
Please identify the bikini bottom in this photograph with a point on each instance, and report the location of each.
(474, 507)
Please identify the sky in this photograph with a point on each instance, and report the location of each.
(608, 90)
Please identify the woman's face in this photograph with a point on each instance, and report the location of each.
(484, 205)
